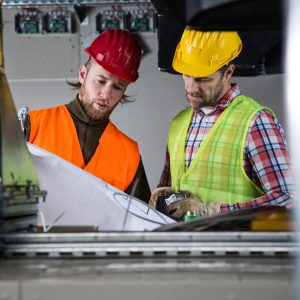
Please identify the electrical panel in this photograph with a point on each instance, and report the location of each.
(135, 20)
(59, 19)
(29, 21)
(33, 20)
(110, 19)
(142, 20)
(54, 33)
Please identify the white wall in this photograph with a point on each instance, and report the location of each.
(159, 95)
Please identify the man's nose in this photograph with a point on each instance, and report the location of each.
(106, 92)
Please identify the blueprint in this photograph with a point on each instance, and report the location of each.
(76, 197)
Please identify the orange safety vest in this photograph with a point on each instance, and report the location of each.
(115, 160)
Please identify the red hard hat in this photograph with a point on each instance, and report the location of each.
(118, 52)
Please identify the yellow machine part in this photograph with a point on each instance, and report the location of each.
(276, 221)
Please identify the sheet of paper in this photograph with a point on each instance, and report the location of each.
(75, 197)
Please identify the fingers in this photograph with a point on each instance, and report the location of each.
(164, 191)
(177, 204)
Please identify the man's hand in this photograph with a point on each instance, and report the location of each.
(195, 206)
(161, 192)
(177, 204)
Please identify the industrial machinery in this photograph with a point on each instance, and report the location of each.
(244, 255)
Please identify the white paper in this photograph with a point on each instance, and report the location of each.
(76, 197)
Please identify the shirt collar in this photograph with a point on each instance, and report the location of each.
(228, 97)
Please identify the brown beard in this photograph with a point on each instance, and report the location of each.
(94, 114)
(213, 99)
(87, 105)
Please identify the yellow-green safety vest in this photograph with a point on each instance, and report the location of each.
(216, 172)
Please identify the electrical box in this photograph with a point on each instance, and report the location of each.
(59, 21)
(110, 19)
(29, 21)
(141, 20)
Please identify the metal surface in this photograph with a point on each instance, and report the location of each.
(104, 283)
(68, 2)
(17, 166)
(208, 266)
(150, 245)
(58, 268)
(19, 190)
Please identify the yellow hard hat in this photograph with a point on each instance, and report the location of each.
(201, 53)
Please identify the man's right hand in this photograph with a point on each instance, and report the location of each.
(194, 205)
(177, 204)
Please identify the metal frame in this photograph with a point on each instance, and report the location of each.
(69, 2)
(151, 245)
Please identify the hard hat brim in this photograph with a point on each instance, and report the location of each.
(186, 69)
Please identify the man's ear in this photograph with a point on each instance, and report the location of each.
(82, 73)
(229, 72)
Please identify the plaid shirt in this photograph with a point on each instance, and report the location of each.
(266, 159)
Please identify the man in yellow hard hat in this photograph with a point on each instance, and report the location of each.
(225, 152)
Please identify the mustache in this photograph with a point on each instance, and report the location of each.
(194, 94)
(104, 102)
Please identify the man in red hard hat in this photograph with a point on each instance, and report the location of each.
(81, 131)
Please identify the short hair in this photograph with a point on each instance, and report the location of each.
(224, 68)
(76, 85)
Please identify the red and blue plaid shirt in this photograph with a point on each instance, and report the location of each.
(266, 158)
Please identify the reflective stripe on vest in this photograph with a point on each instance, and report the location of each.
(216, 172)
(115, 160)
